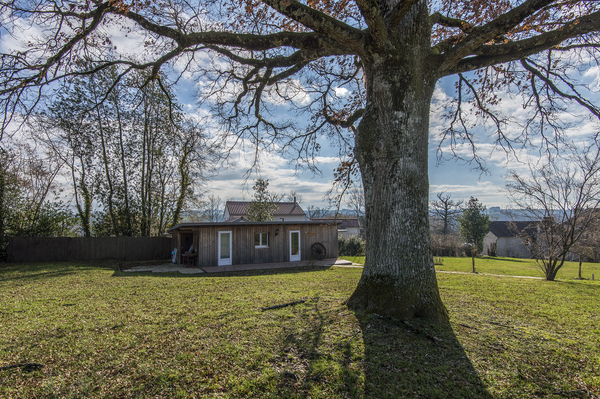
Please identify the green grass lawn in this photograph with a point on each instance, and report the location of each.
(508, 266)
(103, 333)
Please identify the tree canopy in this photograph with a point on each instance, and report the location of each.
(253, 53)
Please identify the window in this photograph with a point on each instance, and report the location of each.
(261, 240)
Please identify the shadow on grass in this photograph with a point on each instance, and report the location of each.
(241, 273)
(380, 358)
(417, 360)
(582, 286)
(514, 260)
(37, 271)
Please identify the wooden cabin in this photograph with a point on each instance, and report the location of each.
(236, 243)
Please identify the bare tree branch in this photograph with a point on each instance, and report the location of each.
(438, 18)
(374, 18)
(491, 54)
(320, 22)
(491, 30)
(574, 97)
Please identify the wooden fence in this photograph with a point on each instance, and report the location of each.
(74, 249)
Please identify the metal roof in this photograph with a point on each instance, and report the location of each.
(510, 229)
(238, 219)
(345, 222)
(280, 223)
(240, 208)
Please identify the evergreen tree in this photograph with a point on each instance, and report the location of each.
(263, 204)
(473, 225)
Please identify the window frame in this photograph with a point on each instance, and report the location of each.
(261, 244)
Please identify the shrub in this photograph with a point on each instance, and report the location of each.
(447, 245)
(351, 246)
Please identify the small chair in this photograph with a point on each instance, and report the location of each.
(189, 257)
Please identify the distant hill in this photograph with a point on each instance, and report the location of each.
(517, 215)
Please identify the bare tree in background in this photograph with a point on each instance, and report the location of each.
(315, 212)
(294, 196)
(31, 202)
(355, 199)
(446, 211)
(213, 209)
(561, 195)
(134, 158)
(445, 240)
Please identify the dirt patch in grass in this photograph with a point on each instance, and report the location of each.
(129, 265)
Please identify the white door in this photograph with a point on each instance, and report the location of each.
(224, 248)
(294, 246)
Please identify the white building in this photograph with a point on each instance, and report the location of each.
(349, 227)
(504, 239)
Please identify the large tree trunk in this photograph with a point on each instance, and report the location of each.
(398, 279)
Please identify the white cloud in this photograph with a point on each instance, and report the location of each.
(341, 91)
(486, 192)
(234, 180)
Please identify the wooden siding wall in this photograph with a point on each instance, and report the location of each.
(206, 239)
(74, 249)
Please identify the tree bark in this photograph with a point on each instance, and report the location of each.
(106, 165)
(83, 212)
(184, 184)
(398, 278)
(552, 268)
(2, 204)
(128, 211)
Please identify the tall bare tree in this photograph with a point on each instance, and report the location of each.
(365, 71)
(134, 157)
(294, 196)
(355, 198)
(446, 211)
(561, 197)
(213, 209)
(315, 212)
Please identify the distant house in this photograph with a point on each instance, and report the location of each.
(505, 239)
(348, 227)
(237, 211)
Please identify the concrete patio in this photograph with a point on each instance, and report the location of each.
(170, 267)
